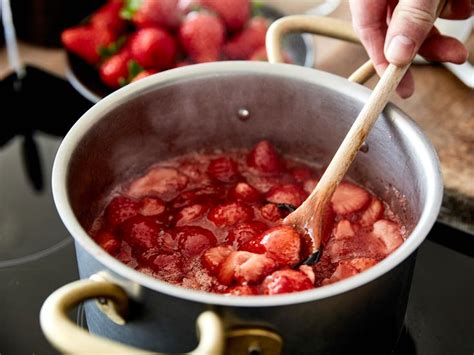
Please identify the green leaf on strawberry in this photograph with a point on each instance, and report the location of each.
(108, 51)
(129, 8)
(134, 69)
(256, 8)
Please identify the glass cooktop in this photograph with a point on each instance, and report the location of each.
(37, 255)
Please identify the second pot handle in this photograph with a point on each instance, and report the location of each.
(68, 338)
(329, 27)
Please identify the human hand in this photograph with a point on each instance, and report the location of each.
(395, 31)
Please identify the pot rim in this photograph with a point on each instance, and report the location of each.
(329, 81)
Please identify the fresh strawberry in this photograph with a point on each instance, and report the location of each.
(153, 48)
(289, 194)
(119, 210)
(235, 13)
(282, 244)
(246, 42)
(223, 169)
(349, 198)
(153, 13)
(213, 257)
(343, 271)
(271, 212)
(202, 35)
(193, 240)
(389, 233)
(114, 71)
(230, 213)
(190, 214)
(151, 206)
(242, 290)
(141, 233)
(244, 192)
(144, 74)
(245, 267)
(108, 17)
(108, 241)
(264, 158)
(166, 183)
(344, 229)
(86, 42)
(244, 232)
(286, 281)
(372, 214)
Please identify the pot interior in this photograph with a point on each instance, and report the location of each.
(306, 117)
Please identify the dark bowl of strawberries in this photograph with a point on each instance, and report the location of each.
(126, 40)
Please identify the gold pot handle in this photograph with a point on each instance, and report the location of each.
(68, 338)
(325, 26)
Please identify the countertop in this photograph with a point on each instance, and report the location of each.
(441, 105)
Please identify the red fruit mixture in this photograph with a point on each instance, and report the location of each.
(212, 222)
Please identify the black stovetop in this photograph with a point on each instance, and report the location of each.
(37, 254)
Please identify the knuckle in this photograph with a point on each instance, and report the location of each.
(418, 14)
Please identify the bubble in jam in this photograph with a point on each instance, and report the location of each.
(212, 221)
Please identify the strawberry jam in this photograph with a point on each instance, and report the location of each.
(212, 222)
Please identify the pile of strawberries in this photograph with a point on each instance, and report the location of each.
(212, 222)
(131, 39)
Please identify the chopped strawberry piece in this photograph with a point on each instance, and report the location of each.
(244, 232)
(230, 213)
(166, 183)
(286, 281)
(190, 214)
(254, 245)
(223, 169)
(264, 158)
(308, 271)
(193, 240)
(245, 267)
(349, 198)
(362, 264)
(246, 42)
(271, 212)
(155, 13)
(213, 257)
(119, 210)
(244, 192)
(235, 13)
(108, 17)
(153, 48)
(372, 214)
(309, 185)
(360, 246)
(202, 35)
(289, 194)
(141, 233)
(242, 290)
(108, 241)
(151, 206)
(344, 229)
(144, 74)
(282, 244)
(168, 267)
(389, 233)
(186, 198)
(343, 271)
(301, 174)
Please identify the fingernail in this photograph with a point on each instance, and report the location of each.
(401, 50)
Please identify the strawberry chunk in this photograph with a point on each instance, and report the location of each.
(344, 229)
(244, 232)
(349, 198)
(362, 264)
(108, 241)
(288, 194)
(343, 271)
(223, 169)
(372, 214)
(242, 290)
(264, 158)
(190, 214)
(359, 246)
(213, 257)
(271, 212)
(389, 233)
(153, 48)
(168, 267)
(308, 271)
(166, 183)
(282, 244)
(246, 42)
(141, 233)
(301, 174)
(119, 210)
(286, 281)
(194, 240)
(244, 192)
(230, 213)
(151, 206)
(243, 266)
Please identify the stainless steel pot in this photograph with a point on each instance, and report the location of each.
(306, 113)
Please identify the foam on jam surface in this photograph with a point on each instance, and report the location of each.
(212, 222)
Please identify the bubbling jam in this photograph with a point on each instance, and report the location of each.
(213, 222)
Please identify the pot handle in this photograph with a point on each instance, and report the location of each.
(68, 338)
(329, 27)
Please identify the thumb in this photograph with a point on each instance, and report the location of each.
(411, 22)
